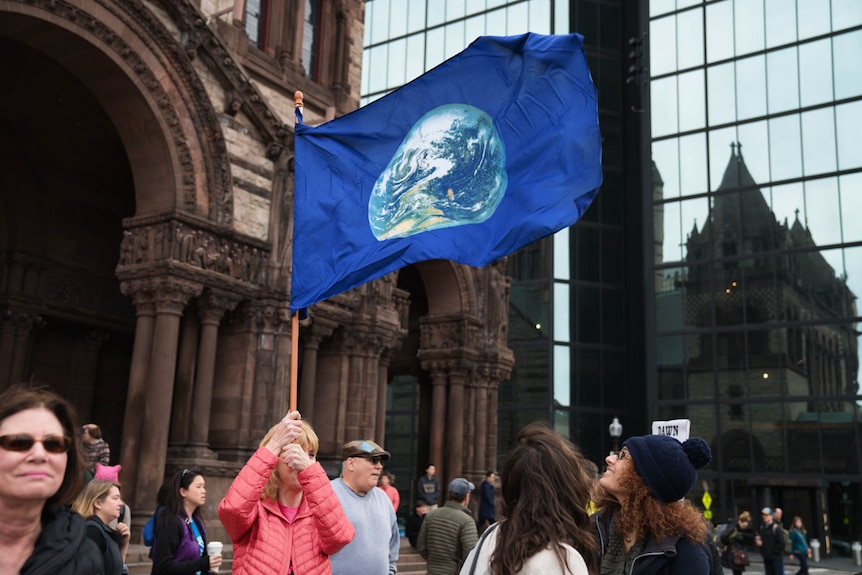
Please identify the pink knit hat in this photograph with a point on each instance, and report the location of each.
(108, 472)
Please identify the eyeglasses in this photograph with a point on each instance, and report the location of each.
(25, 442)
(374, 459)
(624, 453)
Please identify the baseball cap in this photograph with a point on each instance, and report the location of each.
(460, 486)
(363, 448)
(766, 511)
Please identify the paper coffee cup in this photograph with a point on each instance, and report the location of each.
(214, 548)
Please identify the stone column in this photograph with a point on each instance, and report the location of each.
(171, 297)
(438, 419)
(455, 425)
(382, 388)
(7, 345)
(184, 384)
(481, 436)
(24, 324)
(142, 296)
(211, 309)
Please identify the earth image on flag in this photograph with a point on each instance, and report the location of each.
(450, 170)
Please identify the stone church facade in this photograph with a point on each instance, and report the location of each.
(146, 207)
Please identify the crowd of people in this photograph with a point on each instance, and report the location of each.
(62, 509)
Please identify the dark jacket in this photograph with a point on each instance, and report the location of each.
(108, 542)
(487, 507)
(62, 547)
(773, 541)
(412, 527)
(446, 538)
(673, 556)
(175, 551)
(428, 489)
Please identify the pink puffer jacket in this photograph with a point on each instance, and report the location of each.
(263, 541)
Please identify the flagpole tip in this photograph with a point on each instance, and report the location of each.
(297, 98)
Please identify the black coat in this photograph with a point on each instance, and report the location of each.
(63, 547)
(108, 542)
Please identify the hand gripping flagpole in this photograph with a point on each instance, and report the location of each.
(294, 319)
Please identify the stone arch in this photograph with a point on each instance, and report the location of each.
(444, 279)
(146, 84)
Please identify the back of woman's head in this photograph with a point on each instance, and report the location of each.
(545, 493)
(309, 442)
(21, 398)
(94, 492)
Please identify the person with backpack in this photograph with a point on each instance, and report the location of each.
(732, 538)
(770, 540)
(799, 545)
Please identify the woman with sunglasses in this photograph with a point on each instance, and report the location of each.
(644, 524)
(40, 474)
(181, 538)
(100, 503)
(280, 511)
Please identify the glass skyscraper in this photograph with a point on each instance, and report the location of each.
(715, 276)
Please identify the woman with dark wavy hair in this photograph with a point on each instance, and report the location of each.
(545, 492)
(645, 525)
(40, 473)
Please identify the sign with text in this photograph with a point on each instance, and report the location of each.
(676, 428)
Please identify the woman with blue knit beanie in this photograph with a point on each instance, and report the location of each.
(645, 525)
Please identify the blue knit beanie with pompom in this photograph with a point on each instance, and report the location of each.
(668, 467)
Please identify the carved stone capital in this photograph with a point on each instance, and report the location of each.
(212, 306)
(171, 295)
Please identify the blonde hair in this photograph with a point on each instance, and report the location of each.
(307, 440)
(95, 491)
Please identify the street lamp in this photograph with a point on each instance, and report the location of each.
(616, 431)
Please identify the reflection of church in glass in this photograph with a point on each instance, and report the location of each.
(761, 318)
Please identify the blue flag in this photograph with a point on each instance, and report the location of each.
(495, 148)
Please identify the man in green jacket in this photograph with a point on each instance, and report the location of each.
(449, 533)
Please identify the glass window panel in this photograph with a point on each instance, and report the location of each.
(692, 163)
(612, 317)
(822, 210)
(561, 255)
(853, 269)
(846, 51)
(611, 210)
(609, 29)
(589, 370)
(454, 39)
(454, 9)
(719, 154)
(662, 47)
(693, 214)
(803, 433)
(721, 83)
(562, 314)
(663, 96)
(377, 58)
(588, 314)
(851, 206)
(818, 141)
(815, 72)
(434, 48)
(813, 18)
(848, 118)
(748, 29)
(665, 156)
(671, 383)
(719, 31)
(540, 16)
(780, 22)
(838, 431)
(782, 80)
(736, 439)
(366, 69)
(690, 42)
(846, 14)
(474, 6)
(753, 148)
(529, 382)
(528, 312)
(380, 28)
(768, 437)
(415, 15)
(751, 87)
(517, 19)
(415, 56)
(397, 19)
(562, 376)
(496, 22)
(473, 28)
(691, 101)
(396, 66)
(612, 257)
(511, 422)
(658, 7)
(785, 148)
(613, 382)
(435, 15)
(680, 4)
(788, 203)
(587, 247)
(668, 232)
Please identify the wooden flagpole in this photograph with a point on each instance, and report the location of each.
(294, 357)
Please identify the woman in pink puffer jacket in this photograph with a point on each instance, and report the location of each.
(280, 512)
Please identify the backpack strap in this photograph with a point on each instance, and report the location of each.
(479, 548)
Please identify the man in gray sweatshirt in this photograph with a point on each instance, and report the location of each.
(374, 549)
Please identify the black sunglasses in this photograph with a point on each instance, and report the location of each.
(25, 442)
(374, 459)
